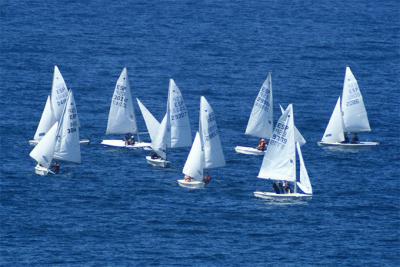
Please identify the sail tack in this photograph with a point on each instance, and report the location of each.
(213, 153)
(67, 146)
(43, 152)
(260, 123)
(121, 119)
(334, 130)
(355, 116)
(195, 162)
(279, 161)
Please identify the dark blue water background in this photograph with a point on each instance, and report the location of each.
(115, 209)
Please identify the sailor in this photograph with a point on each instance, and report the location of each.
(354, 139)
(188, 178)
(286, 187)
(275, 186)
(154, 156)
(262, 144)
(207, 179)
(56, 167)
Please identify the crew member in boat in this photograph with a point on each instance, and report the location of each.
(55, 167)
(262, 144)
(286, 187)
(129, 139)
(154, 156)
(207, 179)
(187, 178)
(346, 138)
(278, 187)
(354, 139)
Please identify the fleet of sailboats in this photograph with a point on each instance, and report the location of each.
(57, 136)
(348, 117)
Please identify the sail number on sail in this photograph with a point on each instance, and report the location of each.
(262, 100)
(119, 98)
(279, 136)
(212, 129)
(73, 119)
(61, 95)
(179, 110)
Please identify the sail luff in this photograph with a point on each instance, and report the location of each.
(59, 94)
(334, 130)
(46, 121)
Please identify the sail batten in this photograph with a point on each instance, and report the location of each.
(260, 122)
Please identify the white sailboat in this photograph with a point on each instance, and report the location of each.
(206, 152)
(174, 130)
(349, 116)
(260, 123)
(54, 107)
(61, 142)
(279, 163)
(121, 118)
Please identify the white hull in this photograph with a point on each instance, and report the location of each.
(157, 162)
(121, 143)
(349, 145)
(249, 151)
(272, 195)
(42, 171)
(194, 184)
(82, 142)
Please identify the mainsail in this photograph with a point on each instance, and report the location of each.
(209, 136)
(121, 119)
(260, 123)
(59, 94)
(179, 119)
(355, 116)
(334, 130)
(67, 147)
(279, 161)
(195, 162)
(43, 152)
(46, 121)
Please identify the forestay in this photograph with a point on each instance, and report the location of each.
(67, 146)
(59, 94)
(304, 183)
(121, 119)
(260, 123)
(334, 130)
(279, 162)
(180, 126)
(213, 154)
(297, 135)
(43, 152)
(355, 117)
(152, 124)
(46, 121)
(195, 162)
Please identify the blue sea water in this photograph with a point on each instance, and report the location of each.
(114, 209)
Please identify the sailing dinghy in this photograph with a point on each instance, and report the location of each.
(260, 123)
(121, 118)
(348, 117)
(279, 163)
(61, 142)
(53, 109)
(173, 131)
(206, 152)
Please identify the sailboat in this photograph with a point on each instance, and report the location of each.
(53, 109)
(173, 131)
(349, 116)
(122, 119)
(260, 123)
(206, 152)
(61, 142)
(279, 163)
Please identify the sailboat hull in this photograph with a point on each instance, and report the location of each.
(42, 171)
(162, 163)
(121, 143)
(272, 195)
(82, 142)
(194, 184)
(349, 145)
(249, 151)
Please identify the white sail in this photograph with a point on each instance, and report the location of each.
(279, 161)
(334, 130)
(297, 135)
(46, 121)
(59, 94)
(43, 152)
(213, 154)
(121, 119)
(261, 118)
(152, 123)
(159, 144)
(181, 135)
(355, 116)
(67, 146)
(195, 162)
(304, 183)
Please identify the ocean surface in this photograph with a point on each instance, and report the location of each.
(116, 210)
